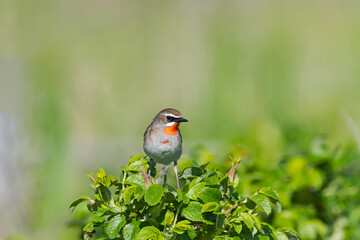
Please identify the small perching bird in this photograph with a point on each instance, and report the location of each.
(162, 139)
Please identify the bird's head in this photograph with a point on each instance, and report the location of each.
(170, 119)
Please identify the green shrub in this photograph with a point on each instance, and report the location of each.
(317, 180)
(207, 207)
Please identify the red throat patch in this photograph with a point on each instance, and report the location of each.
(172, 130)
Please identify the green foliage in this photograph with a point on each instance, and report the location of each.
(207, 207)
(318, 185)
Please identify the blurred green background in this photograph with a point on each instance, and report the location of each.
(81, 80)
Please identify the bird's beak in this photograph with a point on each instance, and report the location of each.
(181, 120)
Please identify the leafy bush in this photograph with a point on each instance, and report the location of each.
(318, 184)
(208, 206)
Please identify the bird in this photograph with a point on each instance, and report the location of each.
(163, 141)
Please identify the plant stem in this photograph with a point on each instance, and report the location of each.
(175, 219)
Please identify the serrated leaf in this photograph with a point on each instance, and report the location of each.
(213, 180)
(204, 177)
(149, 232)
(135, 179)
(209, 207)
(247, 219)
(78, 201)
(209, 194)
(193, 213)
(114, 226)
(131, 229)
(182, 226)
(136, 158)
(136, 166)
(194, 192)
(262, 201)
(270, 192)
(115, 210)
(153, 194)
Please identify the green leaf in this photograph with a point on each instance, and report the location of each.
(114, 226)
(261, 237)
(257, 222)
(267, 227)
(220, 223)
(237, 227)
(108, 181)
(280, 235)
(195, 163)
(149, 232)
(213, 180)
(153, 194)
(123, 168)
(139, 193)
(191, 232)
(103, 194)
(136, 166)
(247, 219)
(270, 192)
(209, 207)
(131, 229)
(135, 179)
(205, 176)
(193, 213)
(137, 158)
(208, 194)
(77, 201)
(101, 173)
(194, 192)
(291, 233)
(169, 218)
(128, 193)
(182, 226)
(89, 227)
(277, 204)
(262, 201)
(190, 173)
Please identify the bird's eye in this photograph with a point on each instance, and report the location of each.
(169, 118)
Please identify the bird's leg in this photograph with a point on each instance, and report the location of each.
(176, 174)
(165, 169)
(150, 166)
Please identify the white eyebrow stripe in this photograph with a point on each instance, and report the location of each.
(170, 124)
(171, 115)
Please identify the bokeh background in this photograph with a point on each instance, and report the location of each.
(81, 80)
